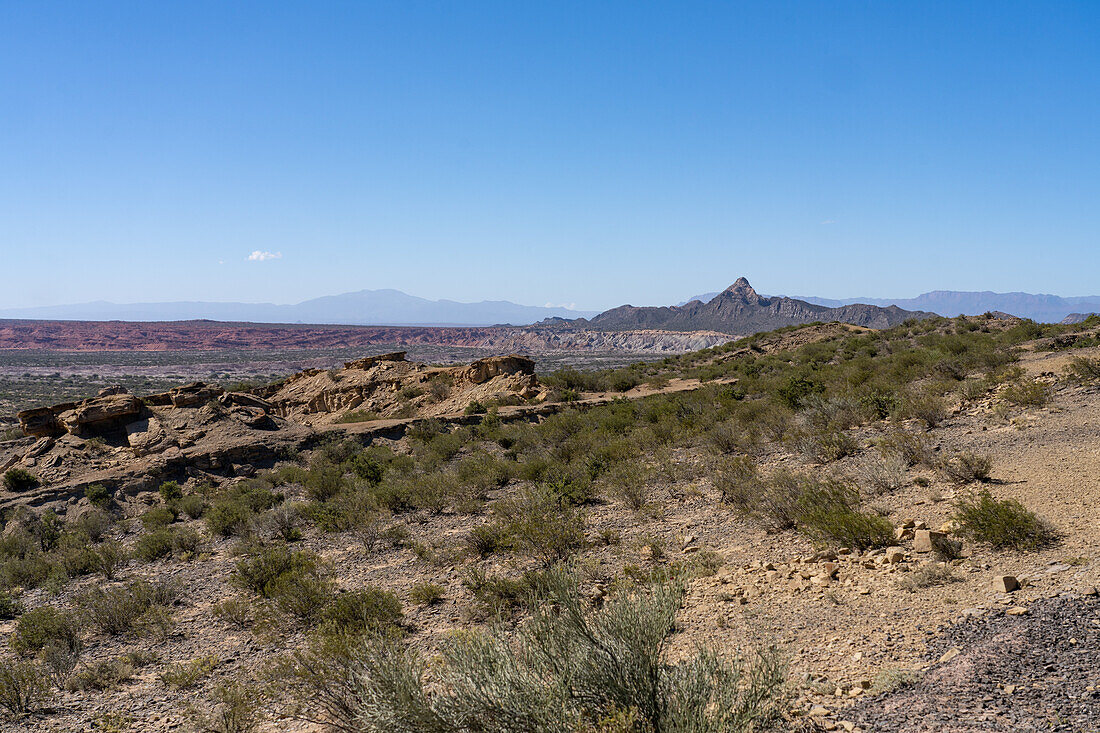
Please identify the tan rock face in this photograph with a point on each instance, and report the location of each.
(98, 410)
(483, 370)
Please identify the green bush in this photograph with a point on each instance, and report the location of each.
(192, 505)
(231, 512)
(259, 571)
(1027, 394)
(23, 688)
(964, 468)
(1002, 523)
(1083, 370)
(568, 669)
(539, 524)
(170, 491)
(363, 610)
(115, 610)
(184, 675)
(98, 495)
(18, 480)
(426, 594)
(44, 625)
(105, 674)
(9, 607)
(158, 517)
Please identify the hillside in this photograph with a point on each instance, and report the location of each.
(1038, 307)
(880, 530)
(741, 310)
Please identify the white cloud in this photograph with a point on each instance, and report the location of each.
(570, 306)
(829, 221)
(263, 255)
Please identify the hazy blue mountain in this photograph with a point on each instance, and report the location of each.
(366, 307)
(1038, 307)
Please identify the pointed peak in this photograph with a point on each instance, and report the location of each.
(742, 290)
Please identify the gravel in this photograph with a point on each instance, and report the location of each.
(1037, 671)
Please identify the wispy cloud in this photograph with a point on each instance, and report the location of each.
(569, 306)
(264, 255)
(829, 221)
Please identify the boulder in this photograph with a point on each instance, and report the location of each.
(99, 411)
(195, 393)
(1006, 584)
(243, 399)
(42, 421)
(925, 540)
(369, 361)
(483, 370)
(144, 436)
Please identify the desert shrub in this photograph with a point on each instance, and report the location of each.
(280, 522)
(158, 517)
(170, 491)
(882, 473)
(927, 575)
(796, 390)
(737, 480)
(10, 607)
(59, 658)
(354, 416)
(192, 505)
(261, 569)
(568, 669)
(325, 480)
(235, 611)
(231, 512)
(825, 446)
(923, 405)
(183, 675)
(912, 447)
(44, 625)
(486, 539)
(474, 408)
(236, 709)
(104, 674)
(23, 688)
(366, 467)
(826, 510)
(94, 524)
(153, 545)
(629, 483)
(946, 548)
(115, 610)
(964, 468)
(98, 495)
(1026, 394)
(1002, 523)
(26, 572)
(301, 593)
(18, 480)
(361, 611)
(541, 525)
(827, 514)
(1083, 370)
(426, 594)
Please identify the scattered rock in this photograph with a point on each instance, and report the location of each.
(1005, 584)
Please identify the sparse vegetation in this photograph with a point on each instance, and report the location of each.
(1002, 523)
(18, 480)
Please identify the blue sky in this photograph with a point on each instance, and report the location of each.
(569, 153)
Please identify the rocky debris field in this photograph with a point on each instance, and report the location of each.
(1019, 669)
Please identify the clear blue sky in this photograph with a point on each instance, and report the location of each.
(589, 153)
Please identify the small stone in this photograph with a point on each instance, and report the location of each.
(1016, 611)
(1089, 591)
(949, 655)
(1005, 584)
(894, 555)
(818, 712)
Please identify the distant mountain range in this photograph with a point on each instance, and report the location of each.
(1041, 308)
(741, 310)
(366, 307)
